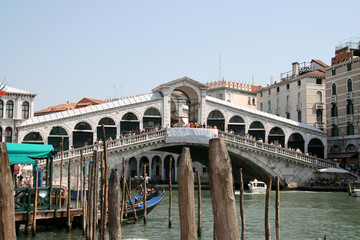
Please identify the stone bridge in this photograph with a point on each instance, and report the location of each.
(256, 158)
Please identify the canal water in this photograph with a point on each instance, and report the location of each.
(303, 215)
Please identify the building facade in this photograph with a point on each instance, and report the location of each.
(343, 104)
(15, 107)
(300, 94)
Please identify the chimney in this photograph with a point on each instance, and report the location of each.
(295, 69)
(67, 102)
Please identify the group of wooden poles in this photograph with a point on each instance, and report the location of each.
(222, 197)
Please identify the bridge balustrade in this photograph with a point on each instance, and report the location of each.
(278, 150)
(116, 143)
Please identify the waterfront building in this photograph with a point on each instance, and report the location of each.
(15, 107)
(342, 103)
(235, 92)
(299, 95)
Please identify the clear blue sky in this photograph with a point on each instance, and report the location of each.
(67, 50)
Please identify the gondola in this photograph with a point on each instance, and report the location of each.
(152, 200)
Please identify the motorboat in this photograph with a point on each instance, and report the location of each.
(355, 192)
(257, 186)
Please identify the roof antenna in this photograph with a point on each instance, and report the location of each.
(219, 66)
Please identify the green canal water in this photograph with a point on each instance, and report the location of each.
(303, 215)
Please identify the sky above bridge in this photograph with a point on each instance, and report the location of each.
(66, 50)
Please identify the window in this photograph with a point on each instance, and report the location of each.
(350, 129)
(349, 85)
(261, 107)
(269, 91)
(349, 66)
(9, 109)
(269, 105)
(253, 101)
(319, 115)
(220, 96)
(287, 86)
(334, 131)
(287, 100)
(319, 96)
(1, 109)
(318, 81)
(278, 89)
(299, 82)
(249, 100)
(261, 94)
(8, 135)
(204, 170)
(288, 115)
(25, 110)
(333, 89)
(334, 110)
(299, 116)
(350, 108)
(333, 71)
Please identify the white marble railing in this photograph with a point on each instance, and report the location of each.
(161, 134)
(88, 150)
(277, 150)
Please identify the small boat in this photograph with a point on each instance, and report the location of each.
(152, 200)
(355, 192)
(257, 186)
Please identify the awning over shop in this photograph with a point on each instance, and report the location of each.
(22, 153)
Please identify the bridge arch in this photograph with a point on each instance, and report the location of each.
(152, 119)
(167, 167)
(156, 164)
(33, 137)
(144, 161)
(55, 136)
(82, 134)
(295, 141)
(129, 122)
(110, 128)
(216, 118)
(316, 147)
(277, 136)
(256, 129)
(237, 124)
(133, 167)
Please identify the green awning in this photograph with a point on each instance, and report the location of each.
(23, 153)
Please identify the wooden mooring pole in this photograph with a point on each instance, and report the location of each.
(83, 195)
(222, 193)
(7, 209)
(114, 205)
(102, 234)
(277, 207)
(199, 204)
(186, 196)
(95, 193)
(123, 205)
(170, 193)
(35, 204)
(145, 193)
(349, 187)
(267, 209)
(61, 167)
(68, 226)
(77, 186)
(106, 173)
(242, 213)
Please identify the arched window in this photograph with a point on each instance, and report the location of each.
(216, 118)
(349, 85)
(9, 109)
(152, 119)
(299, 116)
(25, 110)
(8, 135)
(299, 97)
(319, 96)
(333, 89)
(287, 100)
(261, 107)
(269, 105)
(1, 109)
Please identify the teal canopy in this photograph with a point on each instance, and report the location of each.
(23, 153)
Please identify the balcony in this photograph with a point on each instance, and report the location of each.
(333, 99)
(319, 106)
(287, 109)
(333, 121)
(349, 96)
(277, 111)
(319, 125)
(349, 118)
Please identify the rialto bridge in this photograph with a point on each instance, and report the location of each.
(183, 100)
